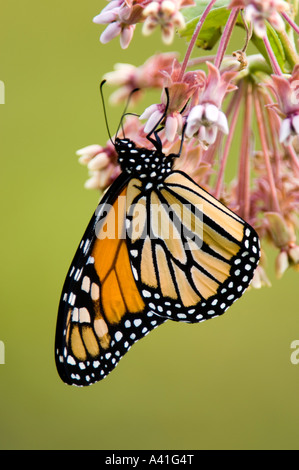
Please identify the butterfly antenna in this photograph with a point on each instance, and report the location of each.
(125, 111)
(183, 133)
(161, 118)
(182, 140)
(157, 143)
(104, 109)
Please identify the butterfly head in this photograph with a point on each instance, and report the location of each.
(146, 164)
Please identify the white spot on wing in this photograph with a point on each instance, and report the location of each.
(135, 273)
(72, 299)
(86, 284)
(78, 274)
(75, 315)
(86, 246)
(84, 316)
(118, 335)
(71, 361)
(95, 291)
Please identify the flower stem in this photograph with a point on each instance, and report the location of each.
(289, 48)
(237, 104)
(207, 58)
(266, 153)
(291, 22)
(272, 57)
(274, 126)
(226, 36)
(200, 60)
(244, 170)
(294, 158)
(194, 38)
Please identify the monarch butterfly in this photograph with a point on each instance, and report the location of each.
(158, 248)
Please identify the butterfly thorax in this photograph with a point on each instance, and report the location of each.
(146, 164)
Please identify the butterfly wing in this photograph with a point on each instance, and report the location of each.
(101, 313)
(191, 256)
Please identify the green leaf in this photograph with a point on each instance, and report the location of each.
(276, 45)
(212, 28)
(196, 11)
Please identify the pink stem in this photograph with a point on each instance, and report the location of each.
(244, 170)
(294, 158)
(237, 102)
(274, 125)
(272, 57)
(226, 36)
(201, 60)
(194, 38)
(262, 132)
(291, 22)
(210, 153)
(207, 58)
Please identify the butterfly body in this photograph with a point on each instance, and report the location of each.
(158, 247)
(150, 166)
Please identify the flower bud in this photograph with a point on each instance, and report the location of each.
(151, 9)
(282, 264)
(294, 254)
(279, 230)
(88, 153)
(99, 162)
(168, 7)
(260, 279)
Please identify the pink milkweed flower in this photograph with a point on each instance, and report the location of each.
(287, 258)
(258, 12)
(206, 118)
(152, 114)
(102, 179)
(121, 17)
(204, 121)
(101, 163)
(167, 14)
(260, 278)
(287, 93)
(180, 90)
(173, 120)
(88, 153)
(127, 77)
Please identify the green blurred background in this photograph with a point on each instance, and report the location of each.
(226, 384)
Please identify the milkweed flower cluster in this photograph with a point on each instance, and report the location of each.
(258, 12)
(101, 163)
(122, 16)
(127, 77)
(208, 109)
(180, 90)
(287, 95)
(166, 14)
(206, 118)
